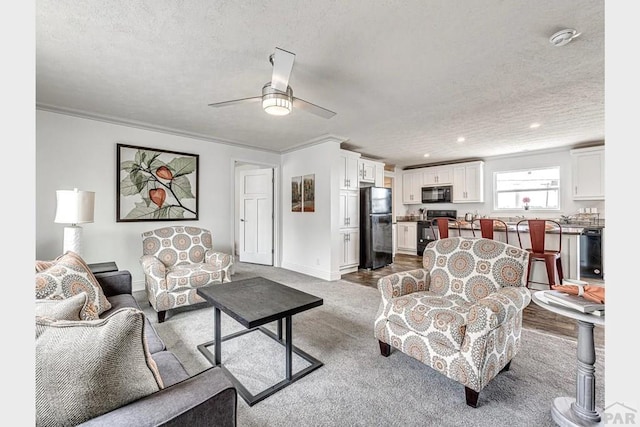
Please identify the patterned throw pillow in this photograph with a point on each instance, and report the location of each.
(65, 309)
(69, 275)
(105, 364)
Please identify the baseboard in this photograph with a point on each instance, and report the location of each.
(348, 270)
(137, 285)
(310, 271)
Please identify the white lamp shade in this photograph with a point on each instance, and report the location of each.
(74, 207)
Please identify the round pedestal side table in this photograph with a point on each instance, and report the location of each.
(581, 410)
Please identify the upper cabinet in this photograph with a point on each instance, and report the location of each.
(370, 171)
(349, 172)
(412, 182)
(468, 182)
(440, 175)
(587, 173)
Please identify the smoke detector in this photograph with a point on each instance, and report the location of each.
(563, 37)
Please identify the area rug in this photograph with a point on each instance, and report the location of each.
(357, 386)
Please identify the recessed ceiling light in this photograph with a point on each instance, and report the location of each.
(461, 139)
(534, 125)
(427, 155)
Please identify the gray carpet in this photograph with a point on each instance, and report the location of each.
(357, 386)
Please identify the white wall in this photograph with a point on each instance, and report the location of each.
(308, 237)
(73, 152)
(532, 160)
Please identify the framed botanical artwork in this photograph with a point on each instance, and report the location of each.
(309, 193)
(296, 194)
(156, 185)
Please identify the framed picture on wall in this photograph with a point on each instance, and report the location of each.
(309, 193)
(296, 194)
(156, 185)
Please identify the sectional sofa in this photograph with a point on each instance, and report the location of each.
(207, 398)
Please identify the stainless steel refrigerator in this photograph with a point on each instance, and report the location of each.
(376, 241)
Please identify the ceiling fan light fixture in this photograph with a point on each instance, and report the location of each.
(275, 102)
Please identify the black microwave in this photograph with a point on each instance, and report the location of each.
(441, 194)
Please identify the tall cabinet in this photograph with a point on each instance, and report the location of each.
(349, 211)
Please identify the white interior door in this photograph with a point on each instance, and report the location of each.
(256, 216)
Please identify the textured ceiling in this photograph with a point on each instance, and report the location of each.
(405, 77)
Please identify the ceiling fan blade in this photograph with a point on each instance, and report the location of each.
(236, 101)
(282, 66)
(312, 108)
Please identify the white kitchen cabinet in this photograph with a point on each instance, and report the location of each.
(438, 175)
(350, 249)
(349, 208)
(468, 182)
(412, 187)
(587, 173)
(371, 172)
(366, 170)
(394, 237)
(349, 223)
(379, 179)
(349, 175)
(407, 237)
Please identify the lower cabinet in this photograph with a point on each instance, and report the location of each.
(350, 250)
(407, 237)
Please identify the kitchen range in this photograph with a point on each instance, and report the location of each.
(425, 234)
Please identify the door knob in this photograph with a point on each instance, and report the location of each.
(241, 220)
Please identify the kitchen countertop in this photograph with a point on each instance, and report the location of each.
(566, 229)
(569, 228)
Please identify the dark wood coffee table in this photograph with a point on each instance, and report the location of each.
(253, 303)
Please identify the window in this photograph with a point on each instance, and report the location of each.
(536, 189)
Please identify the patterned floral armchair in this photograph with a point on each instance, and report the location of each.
(178, 260)
(461, 314)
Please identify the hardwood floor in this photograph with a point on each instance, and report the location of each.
(534, 316)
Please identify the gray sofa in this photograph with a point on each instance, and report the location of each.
(208, 398)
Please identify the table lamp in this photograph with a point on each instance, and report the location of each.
(74, 207)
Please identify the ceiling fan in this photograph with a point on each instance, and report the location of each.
(277, 96)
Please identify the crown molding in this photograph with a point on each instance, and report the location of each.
(146, 126)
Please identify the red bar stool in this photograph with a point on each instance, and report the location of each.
(488, 226)
(442, 224)
(538, 252)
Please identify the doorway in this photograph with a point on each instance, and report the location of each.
(254, 214)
